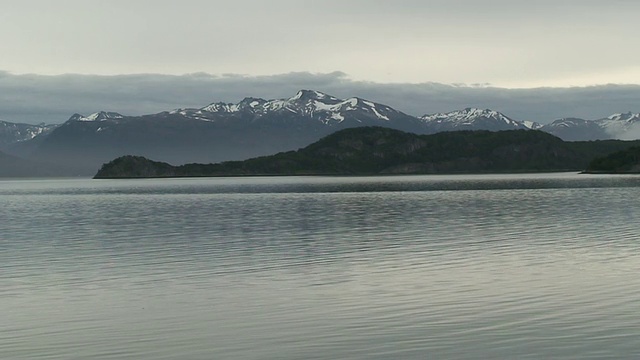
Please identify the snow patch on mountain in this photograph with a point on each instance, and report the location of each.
(629, 116)
(532, 125)
(98, 116)
(337, 116)
(216, 108)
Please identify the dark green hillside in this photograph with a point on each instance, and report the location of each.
(137, 167)
(376, 150)
(625, 161)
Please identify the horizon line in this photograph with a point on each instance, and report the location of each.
(337, 74)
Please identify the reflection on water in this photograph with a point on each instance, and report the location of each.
(466, 267)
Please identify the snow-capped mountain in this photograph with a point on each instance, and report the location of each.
(216, 132)
(575, 129)
(624, 126)
(474, 119)
(99, 116)
(307, 104)
(621, 126)
(11, 133)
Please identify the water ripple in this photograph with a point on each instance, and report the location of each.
(512, 266)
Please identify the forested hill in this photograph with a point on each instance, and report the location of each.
(377, 150)
(621, 162)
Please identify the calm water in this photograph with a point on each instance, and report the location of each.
(441, 267)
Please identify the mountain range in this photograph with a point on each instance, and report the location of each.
(256, 127)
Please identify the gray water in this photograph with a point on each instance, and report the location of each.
(439, 267)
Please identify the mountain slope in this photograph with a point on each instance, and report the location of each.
(574, 129)
(12, 166)
(11, 133)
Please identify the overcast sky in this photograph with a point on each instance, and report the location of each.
(511, 43)
(361, 47)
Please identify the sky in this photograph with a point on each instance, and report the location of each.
(369, 44)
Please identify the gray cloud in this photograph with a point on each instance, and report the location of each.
(53, 99)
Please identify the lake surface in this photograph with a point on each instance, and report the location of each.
(441, 267)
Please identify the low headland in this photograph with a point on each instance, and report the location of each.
(384, 151)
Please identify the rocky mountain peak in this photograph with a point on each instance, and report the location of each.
(98, 116)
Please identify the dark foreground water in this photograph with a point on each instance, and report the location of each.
(439, 267)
